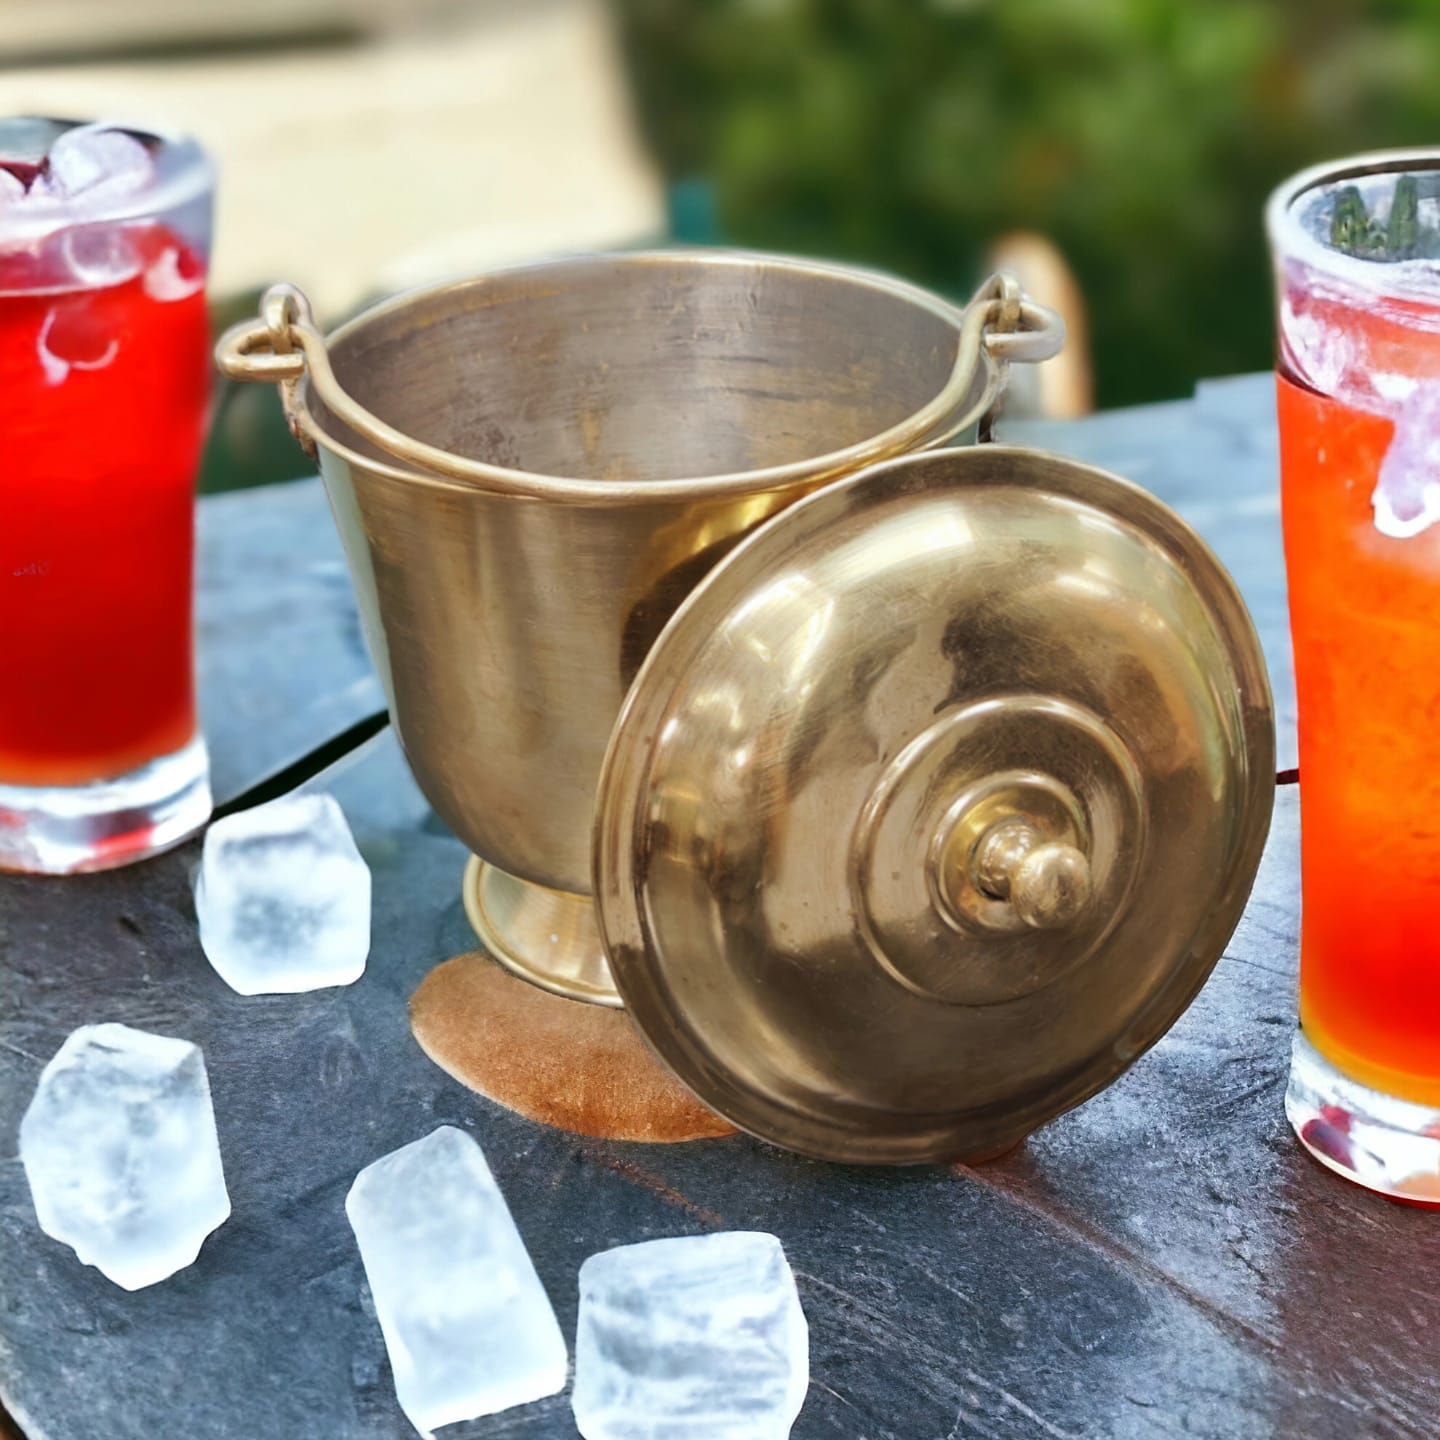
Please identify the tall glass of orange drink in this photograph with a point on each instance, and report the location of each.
(1356, 247)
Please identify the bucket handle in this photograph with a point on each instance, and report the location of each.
(1000, 325)
(1013, 327)
(275, 349)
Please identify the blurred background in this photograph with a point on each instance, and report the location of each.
(1117, 152)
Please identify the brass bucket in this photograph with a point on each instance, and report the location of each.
(532, 469)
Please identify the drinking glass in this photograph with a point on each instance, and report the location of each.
(1356, 247)
(104, 397)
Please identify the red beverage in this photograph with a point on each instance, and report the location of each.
(104, 395)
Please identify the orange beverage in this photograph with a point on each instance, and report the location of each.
(1359, 412)
(1367, 664)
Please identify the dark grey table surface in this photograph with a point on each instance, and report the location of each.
(1162, 1261)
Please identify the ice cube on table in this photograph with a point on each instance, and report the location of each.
(696, 1338)
(283, 898)
(120, 1150)
(465, 1318)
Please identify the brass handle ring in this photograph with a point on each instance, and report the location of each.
(267, 349)
(1014, 327)
(276, 348)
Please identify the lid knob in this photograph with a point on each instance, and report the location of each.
(1045, 881)
(976, 880)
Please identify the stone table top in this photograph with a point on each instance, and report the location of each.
(1162, 1261)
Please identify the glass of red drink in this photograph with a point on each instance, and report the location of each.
(104, 398)
(1356, 247)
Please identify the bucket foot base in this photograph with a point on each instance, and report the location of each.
(546, 937)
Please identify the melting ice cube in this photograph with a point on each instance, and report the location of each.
(283, 898)
(93, 164)
(96, 256)
(120, 1150)
(701, 1335)
(173, 274)
(1407, 493)
(466, 1320)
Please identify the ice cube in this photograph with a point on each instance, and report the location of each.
(467, 1323)
(97, 256)
(283, 898)
(1406, 498)
(120, 1150)
(174, 274)
(71, 338)
(91, 165)
(697, 1336)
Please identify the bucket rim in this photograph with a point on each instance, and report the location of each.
(974, 384)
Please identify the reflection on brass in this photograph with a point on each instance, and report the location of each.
(1045, 881)
(934, 805)
(579, 1067)
(532, 469)
(940, 797)
(517, 921)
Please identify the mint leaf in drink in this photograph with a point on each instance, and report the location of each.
(1402, 234)
(1351, 229)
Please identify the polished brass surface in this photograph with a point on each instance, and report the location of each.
(548, 937)
(1045, 881)
(532, 469)
(1078, 786)
(935, 805)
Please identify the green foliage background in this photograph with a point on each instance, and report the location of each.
(1140, 135)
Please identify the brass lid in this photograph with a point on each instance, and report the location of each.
(935, 805)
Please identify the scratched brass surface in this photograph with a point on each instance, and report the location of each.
(935, 805)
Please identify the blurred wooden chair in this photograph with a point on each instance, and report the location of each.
(1062, 388)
